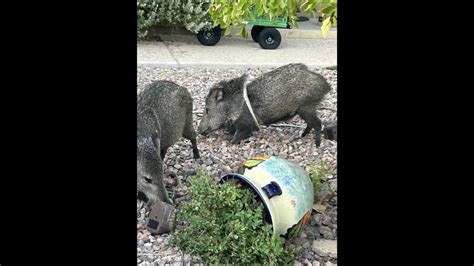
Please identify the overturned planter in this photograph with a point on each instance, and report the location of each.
(284, 188)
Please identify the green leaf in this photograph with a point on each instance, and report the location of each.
(252, 163)
(240, 4)
(244, 33)
(282, 4)
(327, 10)
(326, 26)
(304, 3)
(227, 30)
(310, 6)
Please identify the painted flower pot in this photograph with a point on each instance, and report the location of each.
(284, 188)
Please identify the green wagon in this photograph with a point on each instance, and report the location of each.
(264, 31)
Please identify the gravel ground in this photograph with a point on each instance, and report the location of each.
(219, 157)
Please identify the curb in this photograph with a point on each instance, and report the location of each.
(285, 33)
(296, 33)
(306, 34)
(224, 65)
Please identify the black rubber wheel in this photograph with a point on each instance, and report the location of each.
(209, 37)
(256, 31)
(269, 38)
(302, 19)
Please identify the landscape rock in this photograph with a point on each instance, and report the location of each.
(324, 247)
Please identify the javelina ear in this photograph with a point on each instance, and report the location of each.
(219, 95)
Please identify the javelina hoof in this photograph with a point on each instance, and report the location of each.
(330, 132)
(318, 142)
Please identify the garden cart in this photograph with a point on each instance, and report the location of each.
(264, 31)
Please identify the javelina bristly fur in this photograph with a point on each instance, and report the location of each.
(164, 114)
(275, 96)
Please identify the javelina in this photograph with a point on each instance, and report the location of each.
(275, 96)
(164, 114)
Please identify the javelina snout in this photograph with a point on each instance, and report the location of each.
(164, 114)
(203, 127)
(276, 96)
(204, 132)
(221, 107)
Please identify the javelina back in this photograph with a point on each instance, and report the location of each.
(164, 114)
(275, 96)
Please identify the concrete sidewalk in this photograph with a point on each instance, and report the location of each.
(234, 52)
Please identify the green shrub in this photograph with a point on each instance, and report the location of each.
(227, 13)
(192, 14)
(319, 171)
(224, 223)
